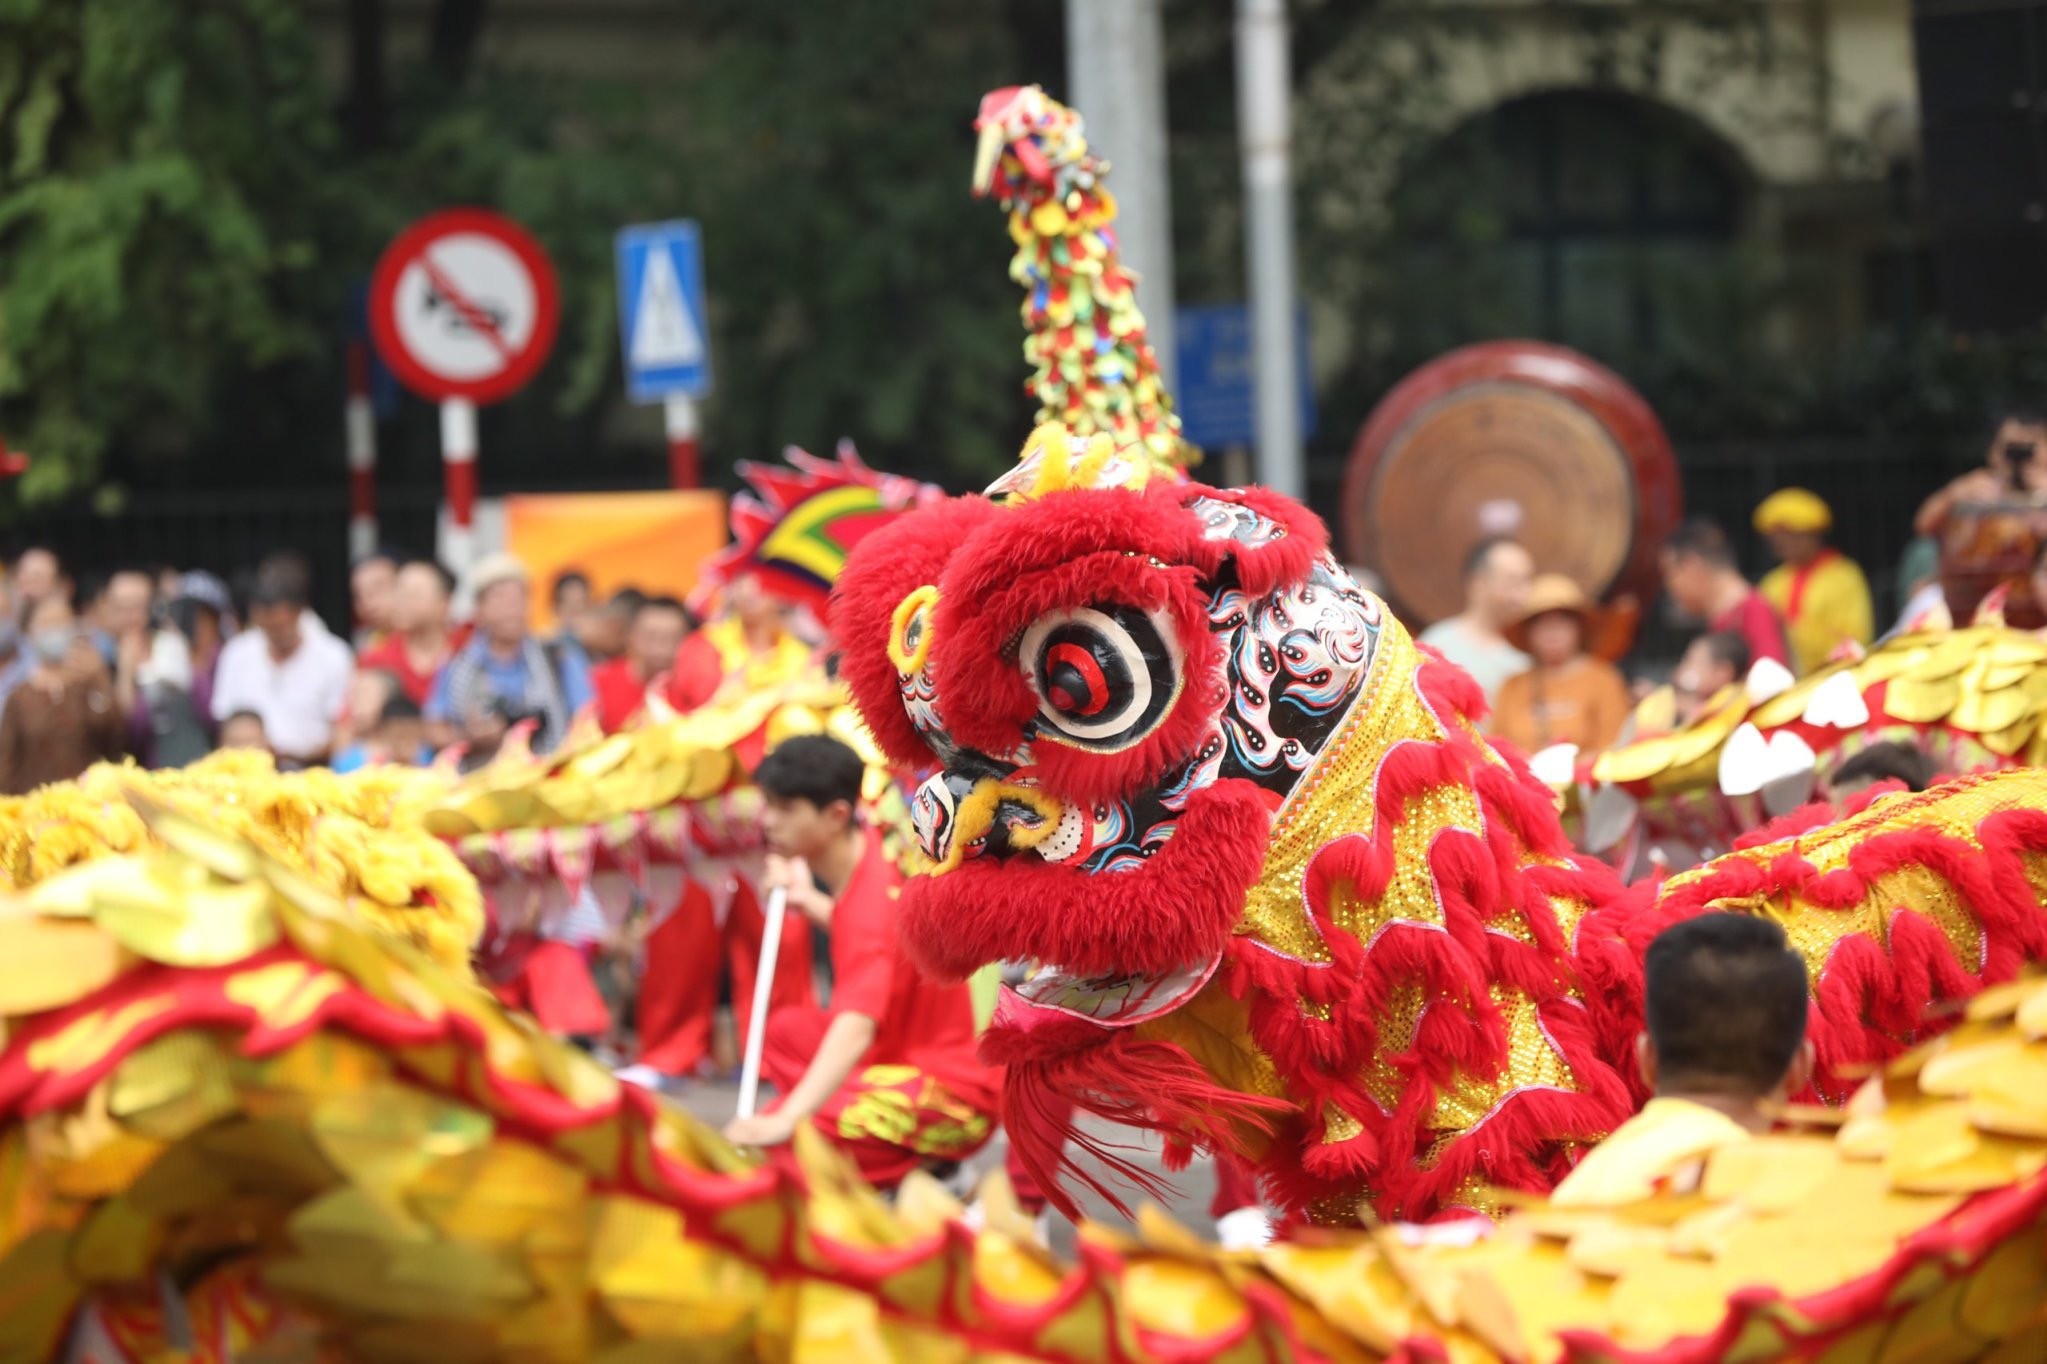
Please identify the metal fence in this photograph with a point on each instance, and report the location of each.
(228, 532)
(1873, 486)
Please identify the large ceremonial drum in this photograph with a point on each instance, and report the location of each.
(1509, 438)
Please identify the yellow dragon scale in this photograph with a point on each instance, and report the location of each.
(333, 1148)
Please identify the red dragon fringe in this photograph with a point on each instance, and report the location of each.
(1499, 927)
(1872, 999)
(1136, 1081)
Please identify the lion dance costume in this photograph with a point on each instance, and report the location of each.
(1284, 900)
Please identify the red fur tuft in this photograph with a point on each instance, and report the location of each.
(883, 569)
(1175, 910)
(1138, 1082)
(1274, 563)
(1072, 550)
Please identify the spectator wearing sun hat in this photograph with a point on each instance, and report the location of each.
(1817, 591)
(1569, 696)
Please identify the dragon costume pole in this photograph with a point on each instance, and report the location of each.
(763, 989)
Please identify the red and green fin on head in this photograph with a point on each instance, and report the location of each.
(795, 526)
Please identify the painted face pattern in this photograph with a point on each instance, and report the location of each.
(1297, 661)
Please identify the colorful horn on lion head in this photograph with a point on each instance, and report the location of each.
(1121, 680)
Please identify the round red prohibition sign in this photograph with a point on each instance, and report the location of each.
(464, 304)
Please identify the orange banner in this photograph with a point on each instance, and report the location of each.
(654, 541)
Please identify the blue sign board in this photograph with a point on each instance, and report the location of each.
(1216, 399)
(662, 324)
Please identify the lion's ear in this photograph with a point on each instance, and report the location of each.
(1272, 539)
(873, 607)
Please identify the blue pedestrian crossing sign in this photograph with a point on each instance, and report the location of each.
(662, 323)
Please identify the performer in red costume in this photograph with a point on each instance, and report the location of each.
(749, 649)
(888, 1073)
(791, 532)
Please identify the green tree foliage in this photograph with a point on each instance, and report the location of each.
(182, 221)
(161, 203)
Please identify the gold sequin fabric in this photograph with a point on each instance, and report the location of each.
(1918, 899)
(1349, 913)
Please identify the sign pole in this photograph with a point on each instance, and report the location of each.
(679, 411)
(458, 460)
(361, 425)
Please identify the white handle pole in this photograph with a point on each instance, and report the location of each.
(763, 986)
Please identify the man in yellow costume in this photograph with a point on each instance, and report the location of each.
(1817, 590)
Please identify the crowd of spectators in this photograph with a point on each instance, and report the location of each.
(164, 666)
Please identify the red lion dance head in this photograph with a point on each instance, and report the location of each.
(1281, 898)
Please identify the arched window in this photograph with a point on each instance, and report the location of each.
(1592, 218)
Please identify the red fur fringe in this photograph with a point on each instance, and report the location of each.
(887, 566)
(1176, 909)
(1142, 1083)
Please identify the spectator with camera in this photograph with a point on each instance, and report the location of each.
(2013, 470)
(506, 675)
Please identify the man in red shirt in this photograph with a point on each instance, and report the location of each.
(620, 684)
(420, 640)
(1700, 575)
(889, 1073)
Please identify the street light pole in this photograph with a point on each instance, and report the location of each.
(1115, 64)
(1264, 121)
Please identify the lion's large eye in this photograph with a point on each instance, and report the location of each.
(1105, 675)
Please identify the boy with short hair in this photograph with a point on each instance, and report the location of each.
(888, 1073)
(1725, 1043)
(243, 729)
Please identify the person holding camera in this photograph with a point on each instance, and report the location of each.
(2014, 471)
(505, 676)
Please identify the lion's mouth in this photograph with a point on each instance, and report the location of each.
(1010, 816)
(1113, 1001)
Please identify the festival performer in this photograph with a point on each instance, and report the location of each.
(1569, 696)
(1287, 905)
(1701, 576)
(749, 648)
(888, 1073)
(1818, 592)
(791, 530)
(748, 651)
